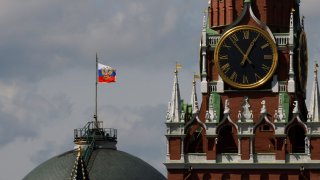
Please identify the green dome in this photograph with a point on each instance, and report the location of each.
(103, 164)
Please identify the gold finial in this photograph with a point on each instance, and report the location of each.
(196, 76)
(178, 66)
(79, 151)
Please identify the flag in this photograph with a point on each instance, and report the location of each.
(106, 74)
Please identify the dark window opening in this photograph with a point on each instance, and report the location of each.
(225, 177)
(227, 140)
(297, 139)
(265, 127)
(195, 143)
(244, 177)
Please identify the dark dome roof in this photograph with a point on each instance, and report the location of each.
(103, 164)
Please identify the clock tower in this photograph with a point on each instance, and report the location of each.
(252, 122)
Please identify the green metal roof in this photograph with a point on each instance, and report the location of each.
(103, 164)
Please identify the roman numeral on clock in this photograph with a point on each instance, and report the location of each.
(257, 77)
(246, 34)
(234, 76)
(225, 68)
(245, 79)
(223, 57)
(267, 57)
(234, 38)
(265, 45)
(225, 45)
(265, 67)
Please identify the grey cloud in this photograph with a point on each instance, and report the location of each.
(25, 112)
(46, 37)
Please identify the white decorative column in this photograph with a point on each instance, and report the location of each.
(220, 85)
(239, 146)
(204, 83)
(251, 148)
(182, 148)
(291, 82)
(168, 153)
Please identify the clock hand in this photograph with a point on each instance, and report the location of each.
(239, 49)
(245, 56)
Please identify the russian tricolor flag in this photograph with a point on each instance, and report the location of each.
(106, 74)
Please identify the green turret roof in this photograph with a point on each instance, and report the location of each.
(103, 164)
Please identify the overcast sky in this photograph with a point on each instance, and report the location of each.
(47, 72)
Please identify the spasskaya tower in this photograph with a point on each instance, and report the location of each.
(252, 122)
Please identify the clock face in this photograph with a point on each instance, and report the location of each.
(246, 57)
(303, 62)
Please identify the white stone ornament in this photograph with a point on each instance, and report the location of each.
(263, 108)
(226, 107)
(246, 114)
(296, 107)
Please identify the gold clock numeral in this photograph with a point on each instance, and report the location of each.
(245, 79)
(257, 77)
(265, 45)
(223, 57)
(246, 34)
(226, 46)
(265, 67)
(234, 38)
(225, 68)
(234, 76)
(267, 57)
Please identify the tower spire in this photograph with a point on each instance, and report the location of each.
(194, 99)
(314, 110)
(174, 109)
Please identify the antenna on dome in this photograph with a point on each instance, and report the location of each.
(95, 116)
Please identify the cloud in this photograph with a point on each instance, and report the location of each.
(47, 53)
(50, 36)
(23, 111)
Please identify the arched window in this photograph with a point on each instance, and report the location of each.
(194, 143)
(297, 139)
(227, 140)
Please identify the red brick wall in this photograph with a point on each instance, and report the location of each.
(315, 148)
(245, 148)
(175, 148)
(254, 176)
(280, 149)
(255, 98)
(264, 141)
(175, 175)
(211, 152)
(234, 174)
(314, 175)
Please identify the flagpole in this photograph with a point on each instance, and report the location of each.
(96, 98)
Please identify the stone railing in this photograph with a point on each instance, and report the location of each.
(282, 39)
(195, 157)
(264, 157)
(297, 158)
(228, 158)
